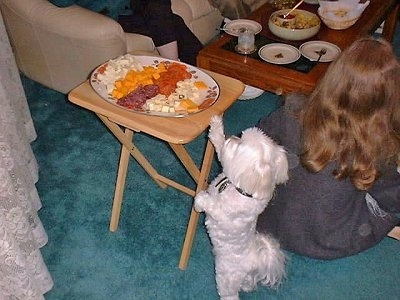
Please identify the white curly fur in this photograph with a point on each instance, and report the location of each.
(243, 256)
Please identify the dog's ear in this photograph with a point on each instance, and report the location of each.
(282, 166)
(216, 133)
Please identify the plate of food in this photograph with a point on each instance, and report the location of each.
(233, 27)
(154, 85)
(311, 50)
(279, 53)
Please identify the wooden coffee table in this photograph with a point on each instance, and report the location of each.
(220, 56)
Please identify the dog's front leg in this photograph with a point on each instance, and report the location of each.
(216, 133)
(202, 201)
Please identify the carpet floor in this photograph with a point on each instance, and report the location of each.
(78, 160)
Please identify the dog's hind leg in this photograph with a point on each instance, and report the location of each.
(229, 284)
(230, 298)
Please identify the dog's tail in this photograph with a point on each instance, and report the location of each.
(274, 261)
(271, 264)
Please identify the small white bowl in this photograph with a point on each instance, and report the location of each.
(250, 92)
(341, 14)
(292, 33)
(337, 24)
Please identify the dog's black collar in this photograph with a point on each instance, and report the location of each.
(224, 182)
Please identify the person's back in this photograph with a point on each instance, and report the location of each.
(172, 38)
(329, 207)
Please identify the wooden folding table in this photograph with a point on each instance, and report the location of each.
(175, 131)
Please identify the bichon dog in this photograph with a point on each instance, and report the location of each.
(251, 168)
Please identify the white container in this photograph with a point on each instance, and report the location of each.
(246, 41)
(341, 14)
(293, 33)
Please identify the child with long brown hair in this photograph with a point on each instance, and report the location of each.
(343, 144)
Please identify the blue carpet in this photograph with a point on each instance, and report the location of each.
(78, 160)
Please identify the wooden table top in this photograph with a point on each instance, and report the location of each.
(176, 130)
(279, 79)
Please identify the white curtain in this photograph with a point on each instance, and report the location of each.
(23, 274)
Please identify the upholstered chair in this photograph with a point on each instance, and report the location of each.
(59, 47)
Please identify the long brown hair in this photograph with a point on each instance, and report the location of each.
(353, 115)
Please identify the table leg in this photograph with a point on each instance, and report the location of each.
(127, 149)
(120, 184)
(127, 142)
(186, 160)
(194, 215)
(200, 178)
(390, 25)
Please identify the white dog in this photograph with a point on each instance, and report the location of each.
(252, 166)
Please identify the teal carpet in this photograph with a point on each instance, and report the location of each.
(78, 160)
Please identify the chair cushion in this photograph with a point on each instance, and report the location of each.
(199, 8)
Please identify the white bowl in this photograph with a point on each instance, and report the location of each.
(250, 92)
(337, 24)
(341, 14)
(296, 33)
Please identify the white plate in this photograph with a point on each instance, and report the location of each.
(234, 26)
(310, 49)
(211, 93)
(250, 92)
(311, 1)
(278, 53)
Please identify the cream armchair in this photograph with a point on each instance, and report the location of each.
(59, 47)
